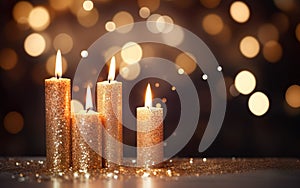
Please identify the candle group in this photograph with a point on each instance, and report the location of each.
(79, 140)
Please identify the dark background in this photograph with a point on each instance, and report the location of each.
(276, 134)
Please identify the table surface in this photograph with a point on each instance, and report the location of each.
(183, 172)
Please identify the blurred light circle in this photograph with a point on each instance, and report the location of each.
(34, 44)
(180, 71)
(39, 18)
(212, 24)
(131, 52)
(13, 122)
(258, 103)
(174, 37)
(50, 65)
(158, 105)
(151, 4)
(219, 68)
(64, 42)
(164, 24)
(130, 71)
(272, 51)
(268, 32)
(123, 18)
(8, 58)
(156, 84)
(144, 12)
(111, 52)
(87, 18)
(84, 54)
(233, 91)
(76, 106)
(249, 47)
(281, 21)
(152, 23)
(240, 12)
(186, 61)
(210, 3)
(60, 4)
(110, 26)
(292, 96)
(245, 82)
(88, 5)
(298, 32)
(173, 88)
(204, 77)
(21, 11)
(285, 5)
(75, 6)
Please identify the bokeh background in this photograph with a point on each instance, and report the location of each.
(256, 43)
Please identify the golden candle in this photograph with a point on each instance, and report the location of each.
(149, 133)
(109, 105)
(58, 114)
(86, 127)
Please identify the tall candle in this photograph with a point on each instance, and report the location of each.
(58, 114)
(86, 127)
(149, 133)
(109, 105)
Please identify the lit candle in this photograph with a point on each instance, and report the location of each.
(58, 114)
(109, 105)
(86, 127)
(149, 133)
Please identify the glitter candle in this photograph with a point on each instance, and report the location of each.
(149, 133)
(109, 105)
(58, 111)
(86, 138)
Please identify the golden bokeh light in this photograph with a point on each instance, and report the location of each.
(35, 44)
(151, 4)
(144, 12)
(164, 24)
(75, 6)
(130, 71)
(158, 105)
(268, 32)
(298, 32)
(21, 11)
(292, 96)
(110, 26)
(123, 18)
(174, 37)
(285, 5)
(64, 42)
(245, 82)
(249, 47)
(76, 106)
(13, 122)
(281, 21)
(39, 18)
(131, 52)
(173, 88)
(156, 84)
(50, 65)
(186, 61)
(8, 58)
(210, 3)
(258, 103)
(180, 71)
(272, 51)
(60, 5)
(240, 12)
(212, 24)
(164, 100)
(88, 5)
(87, 18)
(233, 91)
(152, 23)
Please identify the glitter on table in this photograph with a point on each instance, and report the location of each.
(86, 138)
(109, 105)
(58, 115)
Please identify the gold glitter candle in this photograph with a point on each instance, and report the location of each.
(86, 138)
(149, 133)
(58, 114)
(109, 105)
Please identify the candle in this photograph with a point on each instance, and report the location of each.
(58, 111)
(109, 105)
(149, 133)
(86, 127)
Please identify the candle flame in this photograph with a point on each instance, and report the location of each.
(112, 69)
(148, 97)
(88, 99)
(58, 65)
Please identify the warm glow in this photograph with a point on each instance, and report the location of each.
(151, 4)
(286, 5)
(112, 69)
(297, 32)
(64, 42)
(51, 63)
(144, 12)
(88, 99)
(151, 23)
(88, 5)
(186, 61)
(13, 122)
(39, 18)
(123, 18)
(148, 97)
(35, 44)
(292, 96)
(58, 65)
(239, 11)
(245, 82)
(21, 11)
(268, 32)
(131, 52)
(272, 51)
(258, 103)
(249, 47)
(110, 26)
(212, 24)
(87, 18)
(8, 59)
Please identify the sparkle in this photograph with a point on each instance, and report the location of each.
(219, 68)
(204, 77)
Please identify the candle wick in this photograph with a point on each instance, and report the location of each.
(109, 81)
(88, 109)
(57, 76)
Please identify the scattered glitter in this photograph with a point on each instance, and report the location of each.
(204, 77)
(75, 174)
(133, 161)
(28, 163)
(87, 176)
(145, 175)
(110, 175)
(18, 164)
(169, 173)
(191, 161)
(115, 176)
